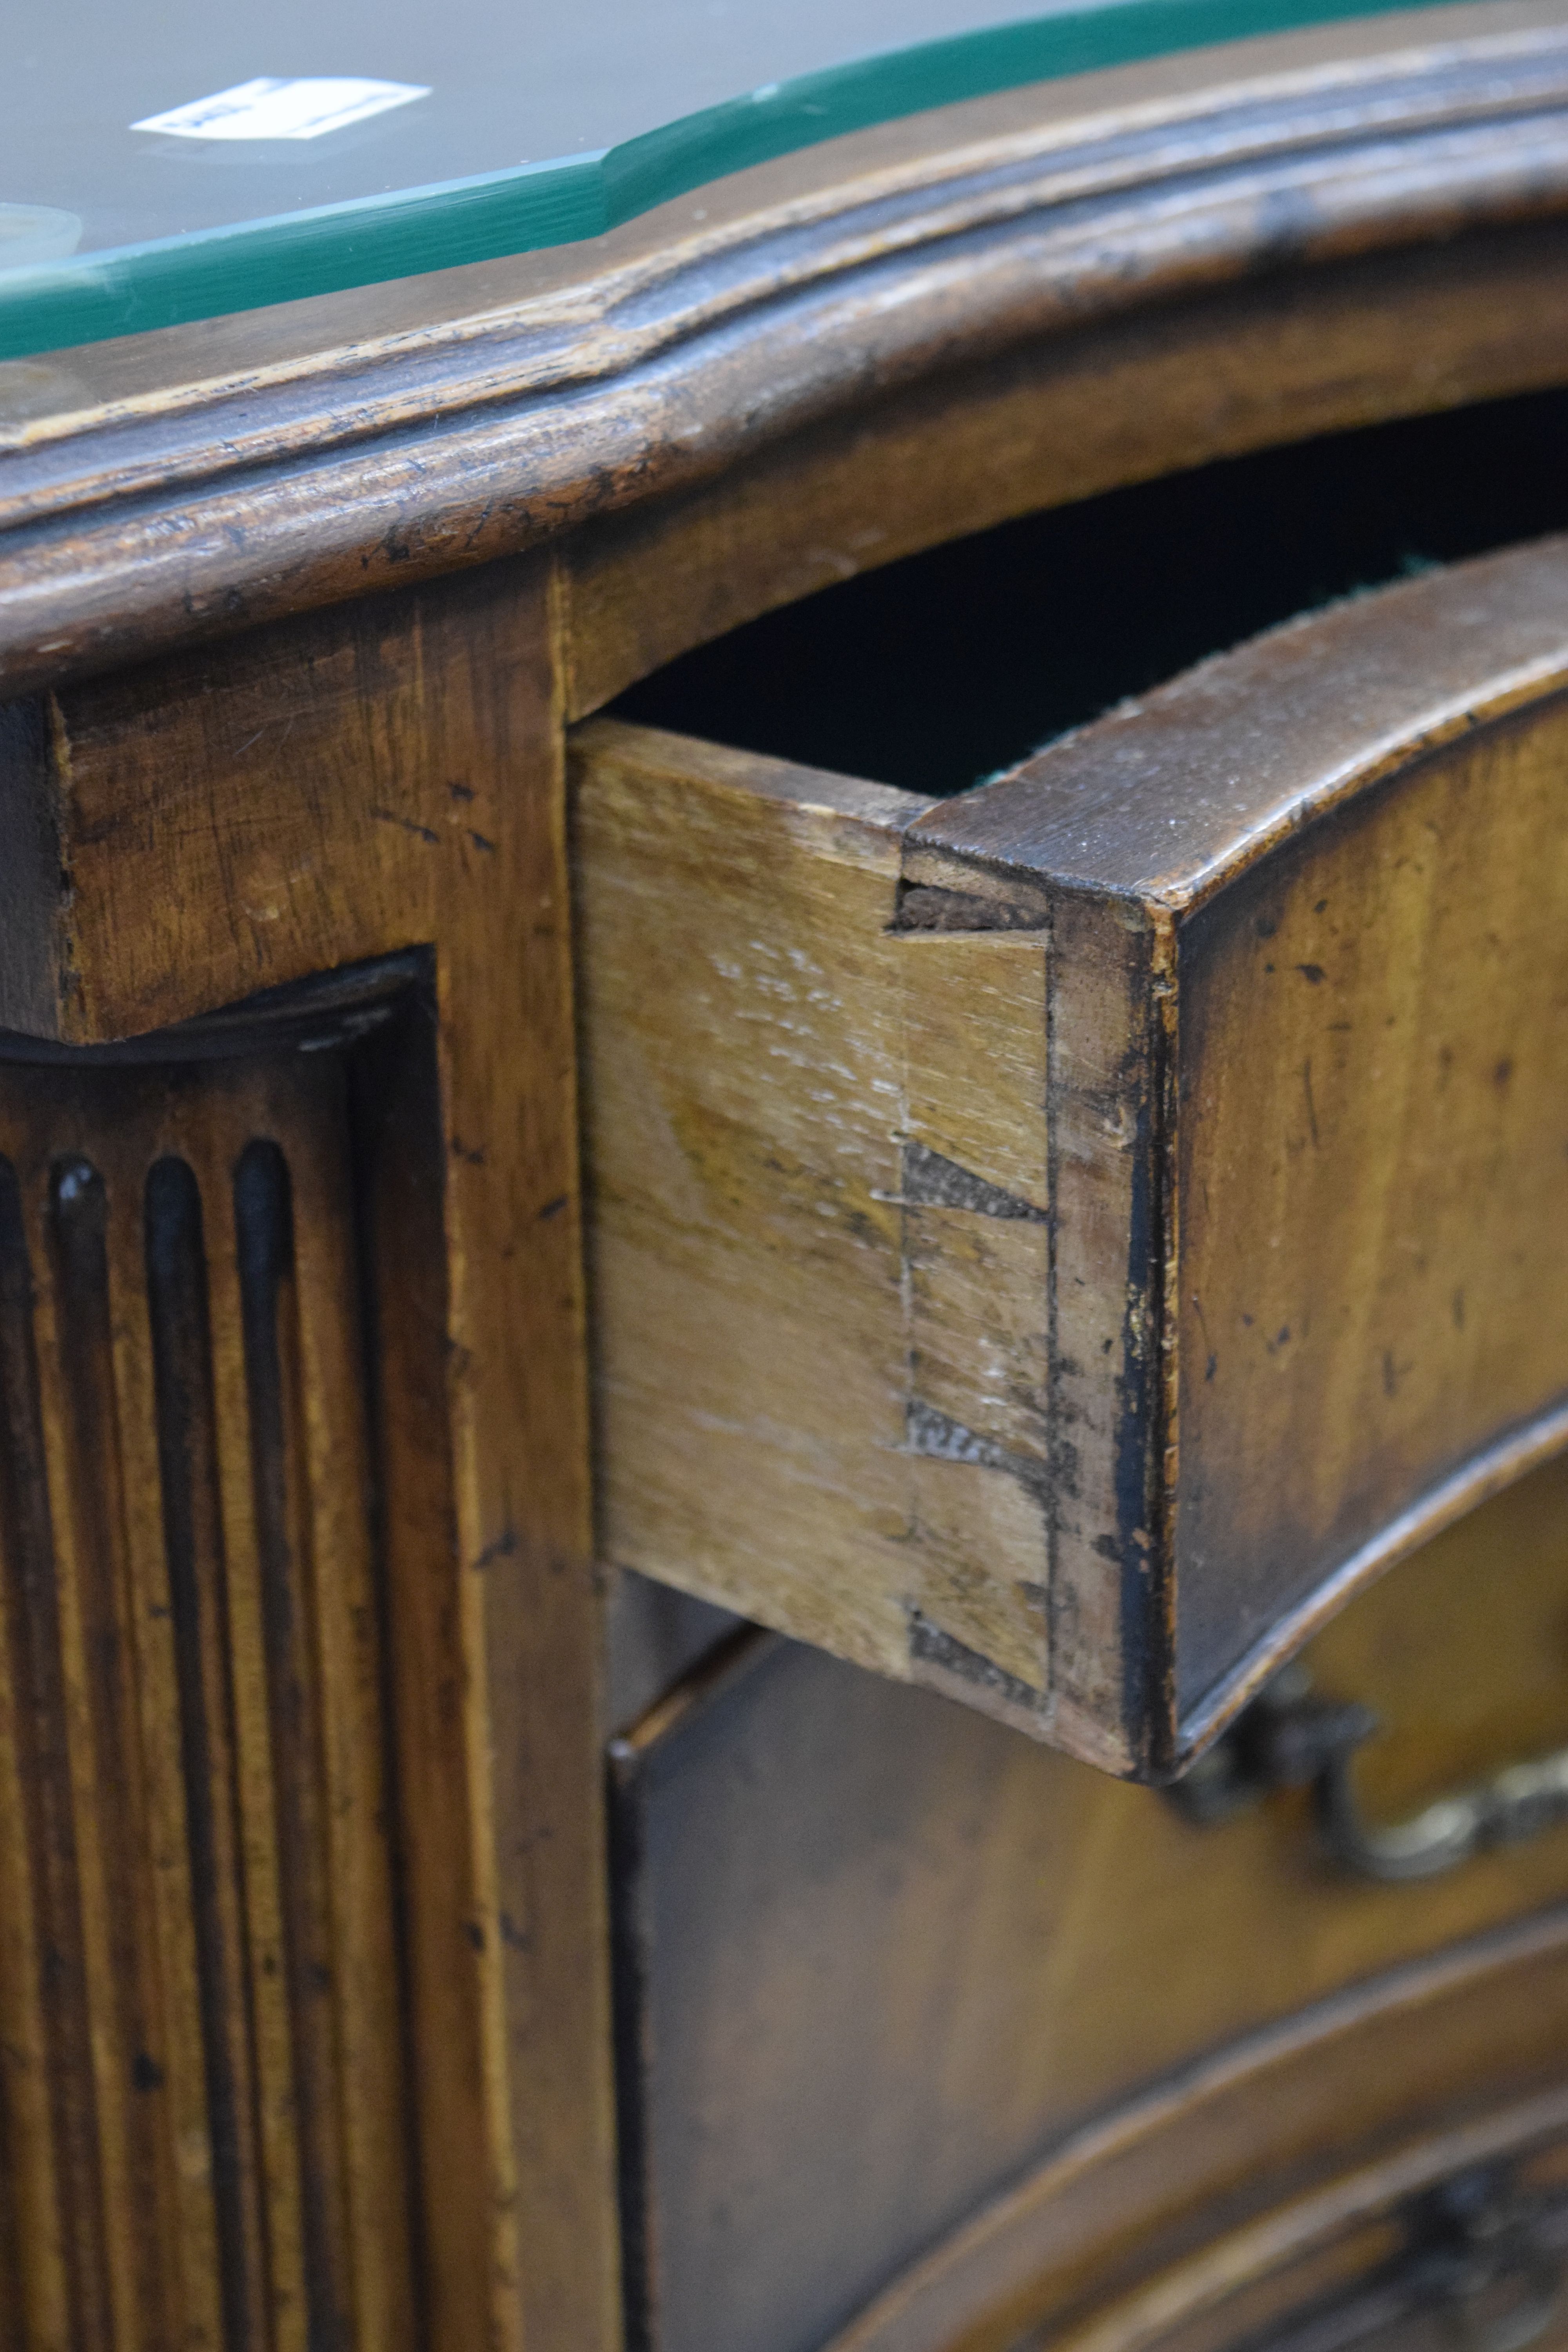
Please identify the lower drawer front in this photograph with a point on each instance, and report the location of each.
(1458, 2237)
(883, 1963)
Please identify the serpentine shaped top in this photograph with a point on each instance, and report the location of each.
(161, 160)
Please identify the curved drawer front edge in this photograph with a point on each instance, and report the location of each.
(1031, 1311)
(1112, 2182)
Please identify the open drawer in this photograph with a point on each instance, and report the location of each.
(1056, 1244)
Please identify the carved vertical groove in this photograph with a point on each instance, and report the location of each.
(203, 2120)
(265, 1238)
(111, 1794)
(50, 2061)
(193, 1534)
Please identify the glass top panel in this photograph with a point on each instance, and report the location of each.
(162, 161)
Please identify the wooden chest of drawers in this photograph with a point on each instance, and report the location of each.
(937, 2039)
(784, 1331)
(1162, 1109)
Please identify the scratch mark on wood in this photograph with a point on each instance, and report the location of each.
(407, 824)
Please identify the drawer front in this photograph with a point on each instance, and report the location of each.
(1457, 2235)
(883, 1963)
(1055, 1245)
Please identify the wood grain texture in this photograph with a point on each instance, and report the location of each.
(206, 2119)
(741, 1080)
(976, 440)
(1348, 839)
(943, 2029)
(1286, 2265)
(888, 1218)
(1072, 1303)
(1367, 2229)
(317, 796)
(305, 485)
(815, 1327)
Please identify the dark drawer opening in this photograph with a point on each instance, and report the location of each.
(936, 671)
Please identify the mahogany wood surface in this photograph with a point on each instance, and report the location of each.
(200, 1951)
(397, 783)
(302, 1796)
(1189, 1101)
(1249, 2284)
(1349, 856)
(921, 2005)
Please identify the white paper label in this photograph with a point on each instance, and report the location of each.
(270, 108)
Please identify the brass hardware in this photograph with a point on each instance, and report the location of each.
(1293, 1738)
(1481, 2262)
(1479, 2252)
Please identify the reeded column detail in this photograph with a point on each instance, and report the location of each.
(202, 2114)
